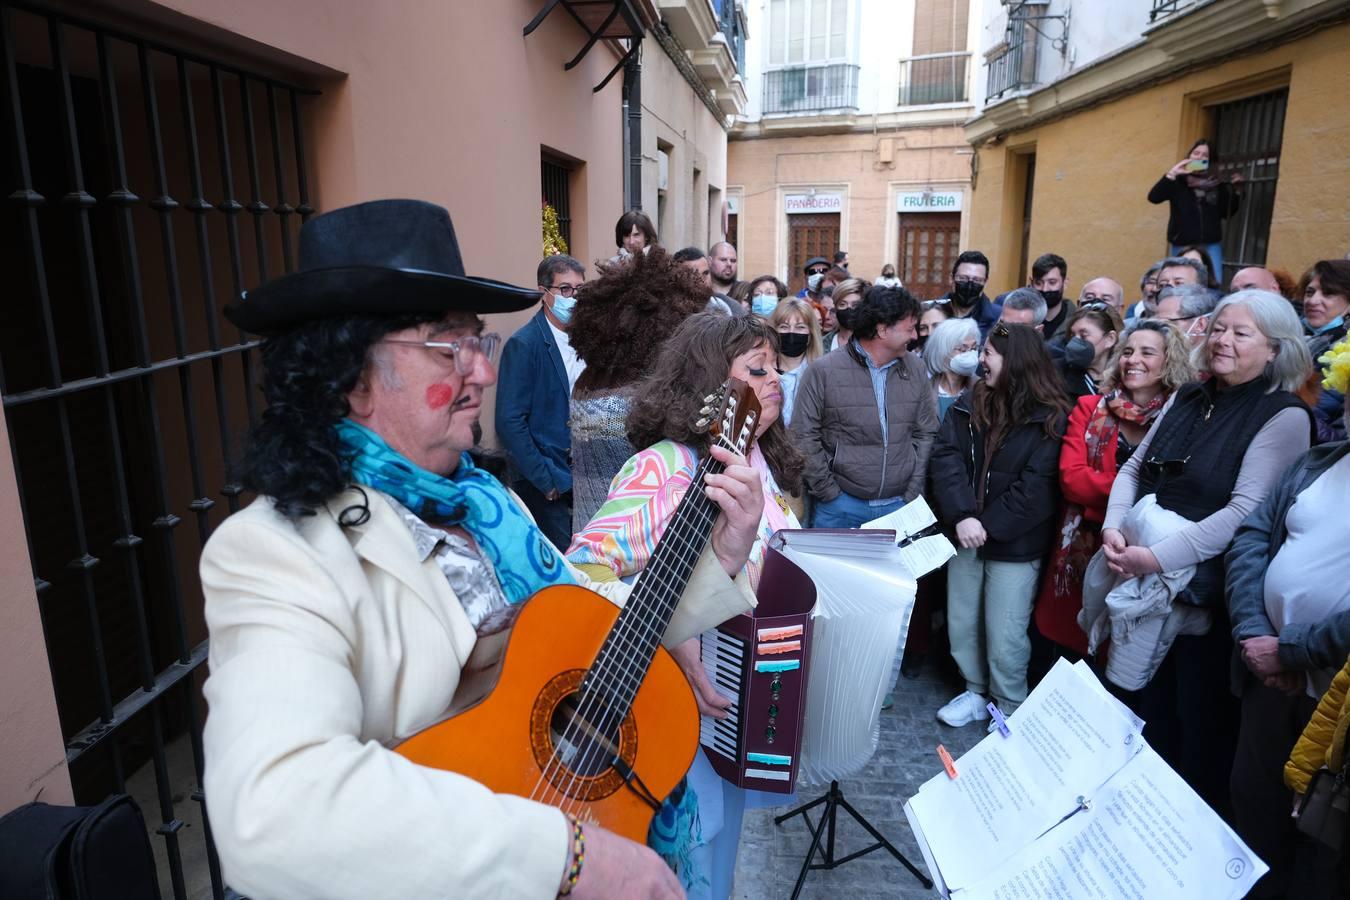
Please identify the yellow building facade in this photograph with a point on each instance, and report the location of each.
(1066, 169)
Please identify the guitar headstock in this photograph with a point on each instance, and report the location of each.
(731, 415)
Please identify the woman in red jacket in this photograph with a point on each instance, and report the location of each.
(1152, 362)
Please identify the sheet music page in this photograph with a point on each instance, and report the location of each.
(1065, 741)
(909, 519)
(926, 554)
(1146, 835)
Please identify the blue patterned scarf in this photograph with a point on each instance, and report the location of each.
(522, 557)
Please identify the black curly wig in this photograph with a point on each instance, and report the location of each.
(623, 317)
(293, 453)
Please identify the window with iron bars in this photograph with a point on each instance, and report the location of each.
(148, 187)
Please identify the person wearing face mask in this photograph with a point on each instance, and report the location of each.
(994, 485)
(1189, 307)
(845, 298)
(765, 293)
(970, 273)
(1198, 201)
(1050, 276)
(1216, 451)
(1104, 428)
(1091, 336)
(1325, 290)
(935, 312)
(538, 371)
(814, 269)
(799, 345)
(888, 278)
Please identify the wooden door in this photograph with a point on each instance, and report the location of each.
(809, 234)
(929, 245)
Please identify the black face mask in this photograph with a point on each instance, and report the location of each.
(967, 292)
(1079, 353)
(1052, 298)
(793, 345)
(847, 318)
(916, 345)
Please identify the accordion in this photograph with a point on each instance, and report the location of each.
(760, 661)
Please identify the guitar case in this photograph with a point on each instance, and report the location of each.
(77, 852)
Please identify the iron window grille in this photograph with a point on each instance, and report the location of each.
(804, 89)
(934, 78)
(553, 179)
(1248, 135)
(148, 186)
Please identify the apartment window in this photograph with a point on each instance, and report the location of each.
(554, 181)
(1247, 138)
(804, 31)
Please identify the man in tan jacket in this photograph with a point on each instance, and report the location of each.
(345, 600)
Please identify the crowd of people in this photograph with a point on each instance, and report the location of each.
(1098, 461)
(1144, 482)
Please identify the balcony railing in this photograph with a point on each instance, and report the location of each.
(811, 88)
(1013, 66)
(935, 78)
(1162, 8)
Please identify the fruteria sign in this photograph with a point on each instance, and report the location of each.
(928, 201)
(814, 203)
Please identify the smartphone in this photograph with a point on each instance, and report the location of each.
(1197, 165)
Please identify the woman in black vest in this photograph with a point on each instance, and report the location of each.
(1213, 455)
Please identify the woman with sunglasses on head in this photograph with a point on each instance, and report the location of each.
(1104, 429)
(1214, 453)
(1092, 333)
(994, 482)
(698, 827)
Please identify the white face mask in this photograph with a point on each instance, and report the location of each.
(964, 364)
(813, 283)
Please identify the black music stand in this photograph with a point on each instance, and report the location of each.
(833, 800)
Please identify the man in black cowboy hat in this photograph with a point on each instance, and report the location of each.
(345, 600)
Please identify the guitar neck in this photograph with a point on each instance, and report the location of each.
(627, 653)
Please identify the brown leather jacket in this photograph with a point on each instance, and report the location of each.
(838, 429)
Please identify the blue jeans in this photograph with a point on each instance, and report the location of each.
(1215, 252)
(848, 511)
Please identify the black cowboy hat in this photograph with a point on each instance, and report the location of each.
(385, 257)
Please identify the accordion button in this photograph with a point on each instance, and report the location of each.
(773, 711)
(769, 733)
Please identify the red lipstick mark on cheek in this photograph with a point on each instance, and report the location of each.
(439, 396)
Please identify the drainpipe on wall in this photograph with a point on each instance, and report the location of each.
(632, 93)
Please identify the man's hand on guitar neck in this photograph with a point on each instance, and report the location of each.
(737, 491)
(617, 867)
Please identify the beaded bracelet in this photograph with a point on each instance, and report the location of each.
(578, 857)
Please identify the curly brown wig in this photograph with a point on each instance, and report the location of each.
(693, 364)
(623, 317)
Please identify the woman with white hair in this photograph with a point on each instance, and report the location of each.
(952, 354)
(1213, 455)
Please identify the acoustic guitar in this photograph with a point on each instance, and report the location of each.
(577, 705)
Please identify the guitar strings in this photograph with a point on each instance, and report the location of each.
(633, 651)
(625, 650)
(683, 533)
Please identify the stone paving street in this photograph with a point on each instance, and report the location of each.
(771, 855)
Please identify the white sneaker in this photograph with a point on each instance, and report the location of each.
(963, 709)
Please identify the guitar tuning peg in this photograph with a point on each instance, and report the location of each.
(706, 411)
(703, 423)
(711, 398)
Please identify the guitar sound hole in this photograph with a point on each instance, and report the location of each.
(585, 735)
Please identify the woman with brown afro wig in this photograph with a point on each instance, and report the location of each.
(621, 320)
(690, 832)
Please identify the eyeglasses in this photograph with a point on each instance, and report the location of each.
(1090, 301)
(815, 271)
(1001, 330)
(934, 304)
(978, 281)
(564, 290)
(1176, 318)
(464, 353)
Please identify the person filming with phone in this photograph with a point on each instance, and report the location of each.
(1199, 200)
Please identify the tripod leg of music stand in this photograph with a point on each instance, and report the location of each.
(801, 810)
(826, 816)
(857, 817)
